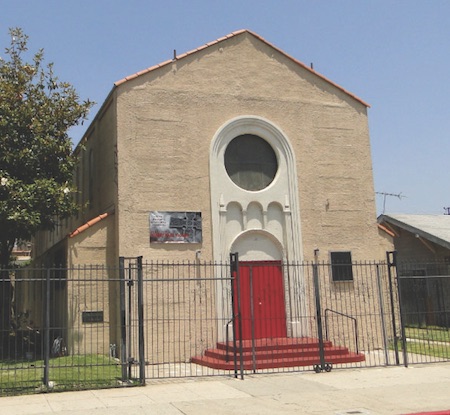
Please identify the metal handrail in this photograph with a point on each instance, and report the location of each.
(227, 358)
(355, 323)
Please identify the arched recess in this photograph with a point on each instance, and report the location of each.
(257, 246)
(255, 215)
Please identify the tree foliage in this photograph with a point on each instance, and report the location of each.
(36, 159)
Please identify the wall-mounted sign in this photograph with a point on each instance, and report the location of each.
(92, 316)
(175, 227)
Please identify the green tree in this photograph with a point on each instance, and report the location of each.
(36, 158)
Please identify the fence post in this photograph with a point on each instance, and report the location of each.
(382, 311)
(123, 329)
(234, 266)
(141, 322)
(400, 308)
(391, 262)
(130, 283)
(46, 379)
(323, 366)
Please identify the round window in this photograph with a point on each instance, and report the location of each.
(250, 162)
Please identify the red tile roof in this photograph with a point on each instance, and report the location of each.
(233, 34)
(385, 229)
(88, 224)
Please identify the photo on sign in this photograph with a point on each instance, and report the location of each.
(175, 227)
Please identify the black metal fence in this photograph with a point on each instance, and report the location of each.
(59, 329)
(424, 290)
(95, 326)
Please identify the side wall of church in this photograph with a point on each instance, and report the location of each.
(99, 173)
(95, 177)
(87, 280)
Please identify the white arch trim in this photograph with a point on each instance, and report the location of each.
(283, 189)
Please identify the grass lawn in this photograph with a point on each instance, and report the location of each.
(429, 349)
(66, 373)
(428, 333)
(430, 341)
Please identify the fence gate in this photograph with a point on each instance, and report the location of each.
(132, 343)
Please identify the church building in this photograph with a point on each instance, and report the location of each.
(234, 147)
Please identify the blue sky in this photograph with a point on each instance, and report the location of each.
(395, 55)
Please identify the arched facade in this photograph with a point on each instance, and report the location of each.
(260, 225)
(274, 209)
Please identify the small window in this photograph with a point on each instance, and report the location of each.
(341, 266)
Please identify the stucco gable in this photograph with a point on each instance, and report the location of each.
(222, 42)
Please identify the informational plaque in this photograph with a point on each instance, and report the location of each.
(92, 316)
(175, 227)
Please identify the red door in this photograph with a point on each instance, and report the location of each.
(262, 300)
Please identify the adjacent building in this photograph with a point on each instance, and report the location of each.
(422, 245)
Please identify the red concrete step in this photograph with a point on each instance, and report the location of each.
(276, 363)
(275, 353)
(278, 343)
(286, 353)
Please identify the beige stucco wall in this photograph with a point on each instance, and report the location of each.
(94, 246)
(168, 117)
(386, 242)
(92, 285)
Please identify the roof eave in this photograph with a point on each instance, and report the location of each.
(416, 231)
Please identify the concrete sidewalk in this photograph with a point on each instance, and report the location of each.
(393, 390)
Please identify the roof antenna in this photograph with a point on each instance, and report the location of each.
(312, 66)
(174, 54)
(400, 196)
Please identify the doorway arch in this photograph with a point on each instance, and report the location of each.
(257, 246)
